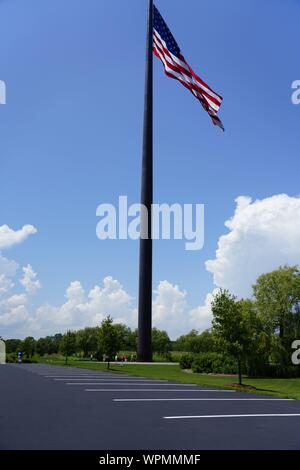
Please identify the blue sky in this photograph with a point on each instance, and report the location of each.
(71, 131)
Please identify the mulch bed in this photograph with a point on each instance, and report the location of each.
(241, 387)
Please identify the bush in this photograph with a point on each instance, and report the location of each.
(11, 357)
(186, 361)
(212, 362)
(275, 371)
(30, 360)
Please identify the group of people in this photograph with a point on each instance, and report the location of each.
(124, 358)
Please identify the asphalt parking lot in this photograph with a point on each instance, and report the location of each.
(52, 407)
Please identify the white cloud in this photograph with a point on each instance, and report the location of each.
(81, 309)
(13, 306)
(8, 267)
(200, 317)
(10, 237)
(15, 316)
(169, 307)
(29, 280)
(14, 301)
(5, 284)
(263, 235)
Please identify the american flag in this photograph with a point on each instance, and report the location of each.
(167, 50)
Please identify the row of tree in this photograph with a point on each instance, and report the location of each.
(107, 339)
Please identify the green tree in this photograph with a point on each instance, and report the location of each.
(125, 341)
(231, 328)
(259, 351)
(133, 340)
(28, 346)
(277, 296)
(87, 340)
(161, 342)
(195, 342)
(68, 344)
(56, 339)
(42, 346)
(108, 339)
(13, 345)
(48, 345)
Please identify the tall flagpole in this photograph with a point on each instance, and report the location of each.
(145, 272)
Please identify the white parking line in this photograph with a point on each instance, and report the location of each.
(202, 399)
(128, 383)
(265, 415)
(114, 381)
(79, 376)
(152, 390)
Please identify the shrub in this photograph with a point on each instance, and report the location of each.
(30, 360)
(212, 362)
(186, 361)
(11, 357)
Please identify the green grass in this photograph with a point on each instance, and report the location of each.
(284, 388)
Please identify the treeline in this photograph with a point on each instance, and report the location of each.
(107, 339)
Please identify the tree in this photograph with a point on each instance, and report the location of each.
(28, 346)
(133, 340)
(277, 297)
(87, 340)
(42, 346)
(161, 342)
(68, 344)
(260, 342)
(125, 339)
(184, 342)
(108, 339)
(48, 345)
(56, 339)
(230, 327)
(13, 345)
(196, 343)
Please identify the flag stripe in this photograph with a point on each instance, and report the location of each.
(185, 80)
(187, 69)
(186, 75)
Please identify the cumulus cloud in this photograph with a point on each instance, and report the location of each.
(13, 306)
(263, 235)
(5, 284)
(29, 280)
(15, 316)
(8, 268)
(200, 317)
(86, 309)
(10, 237)
(169, 307)
(80, 309)
(170, 310)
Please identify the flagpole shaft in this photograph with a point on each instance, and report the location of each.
(145, 268)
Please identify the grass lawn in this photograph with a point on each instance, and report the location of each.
(284, 388)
